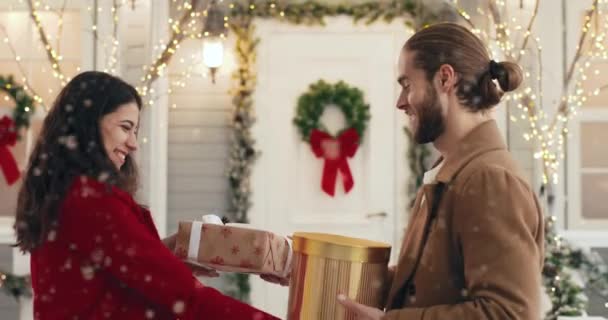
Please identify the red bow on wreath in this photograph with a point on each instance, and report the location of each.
(335, 151)
(8, 138)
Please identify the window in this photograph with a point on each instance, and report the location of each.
(588, 159)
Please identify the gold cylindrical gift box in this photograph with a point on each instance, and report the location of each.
(325, 265)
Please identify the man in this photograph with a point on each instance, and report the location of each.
(473, 248)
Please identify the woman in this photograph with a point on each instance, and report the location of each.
(95, 253)
(473, 248)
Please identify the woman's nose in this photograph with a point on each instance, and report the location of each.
(132, 142)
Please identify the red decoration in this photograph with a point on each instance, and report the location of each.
(226, 232)
(258, 251)
(8, 138)
(246, 264)
(217, 260)
(235, 249)
(335, 151)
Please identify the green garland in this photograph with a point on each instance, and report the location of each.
(417, 156)
(243, 153)
(321, 94)
(15, 286)
(314, 13)
(24, 103)
(561, 258)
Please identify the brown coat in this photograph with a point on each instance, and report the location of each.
(484, 253)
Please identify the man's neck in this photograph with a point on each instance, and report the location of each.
(457, 126)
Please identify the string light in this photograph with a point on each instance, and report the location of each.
(550, 139)
(549, 136)
(186, 27)
(51, 53)
(112, 57)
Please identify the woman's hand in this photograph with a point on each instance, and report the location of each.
(197, 270)
(276, 279)
(201, 271)
(170, 242)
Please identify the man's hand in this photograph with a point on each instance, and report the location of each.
(361, 311)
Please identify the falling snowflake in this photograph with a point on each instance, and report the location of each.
(103, 177)
(178, 307)
(67, 265)
(69, 141)
(107, 261)
(97, 256)
(464, 292)
(87, 272)
(52, 236)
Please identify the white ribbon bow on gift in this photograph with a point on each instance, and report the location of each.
(195, 237)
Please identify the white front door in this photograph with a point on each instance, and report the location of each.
(286, 185)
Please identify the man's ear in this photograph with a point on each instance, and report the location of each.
(446, 78)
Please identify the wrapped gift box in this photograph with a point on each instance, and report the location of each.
(325, 265)
(233, 248)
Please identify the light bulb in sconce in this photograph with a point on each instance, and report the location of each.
(215, 31)
(213, 54)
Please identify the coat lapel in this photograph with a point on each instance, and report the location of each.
(412, 244)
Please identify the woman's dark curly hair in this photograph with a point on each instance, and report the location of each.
(70, 145)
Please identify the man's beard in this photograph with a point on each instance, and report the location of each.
(430, 119)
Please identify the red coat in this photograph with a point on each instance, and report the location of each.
(106, 261)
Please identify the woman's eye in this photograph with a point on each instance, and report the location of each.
(126, 128)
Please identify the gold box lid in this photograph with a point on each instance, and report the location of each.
(341, 248)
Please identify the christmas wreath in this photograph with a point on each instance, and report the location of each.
(335, 150)
(10, 127)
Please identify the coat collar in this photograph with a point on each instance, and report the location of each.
(483, 138)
